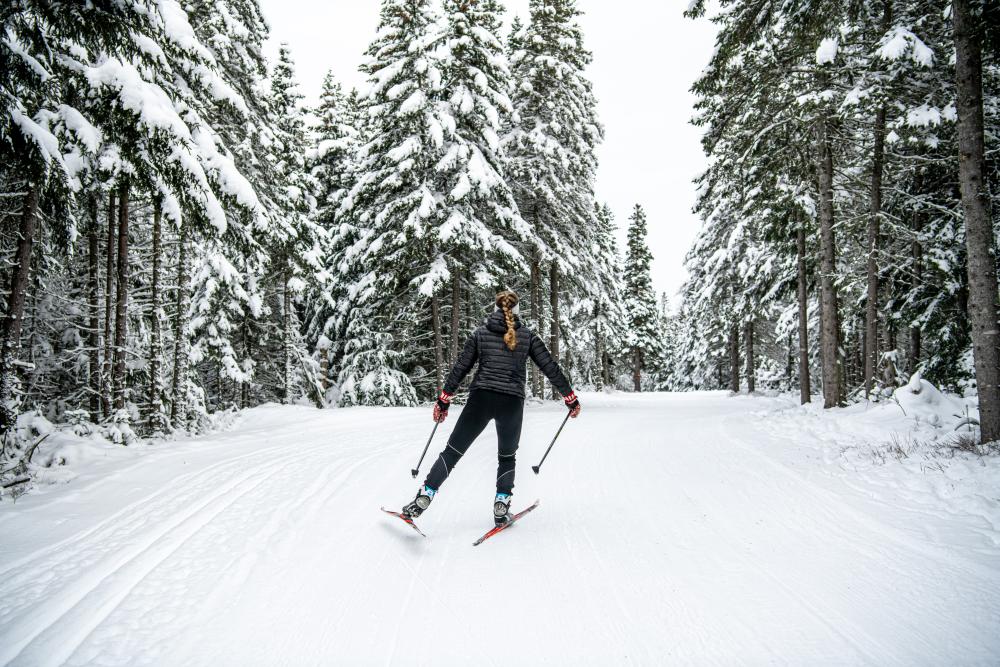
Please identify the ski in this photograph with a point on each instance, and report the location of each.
(510, 523)
(405, 519)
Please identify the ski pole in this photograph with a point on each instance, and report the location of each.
(539, 466)
(416, 470)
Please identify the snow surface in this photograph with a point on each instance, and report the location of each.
(673, 528)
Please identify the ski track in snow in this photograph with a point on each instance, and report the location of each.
(673, 528)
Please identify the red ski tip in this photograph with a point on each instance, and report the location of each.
(405, 519)
(501, 528)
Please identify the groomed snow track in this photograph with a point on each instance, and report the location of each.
(674, 528)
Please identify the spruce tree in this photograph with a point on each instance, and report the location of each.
(480, 223)
(332, 154)
(980, 230)
(294, 253)
(605, 314)
(394, 207)
(331, 161)
(642, 335)
(552, 151)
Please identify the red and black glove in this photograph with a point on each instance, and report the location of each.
(441, 407)
(573, 403)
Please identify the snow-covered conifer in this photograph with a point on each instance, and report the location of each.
(642, 339)
(551, 147)
(388, 240)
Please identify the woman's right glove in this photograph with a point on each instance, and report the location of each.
(441, 407)
(573, 403)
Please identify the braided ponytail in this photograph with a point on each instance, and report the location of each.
(506, 301)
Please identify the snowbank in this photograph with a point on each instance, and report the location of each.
(47, 454)
(914, 453)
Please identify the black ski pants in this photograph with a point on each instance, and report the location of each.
(484, 405)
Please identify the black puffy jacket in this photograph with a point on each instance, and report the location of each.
(500, 369)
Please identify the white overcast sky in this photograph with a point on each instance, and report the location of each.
(646, 56)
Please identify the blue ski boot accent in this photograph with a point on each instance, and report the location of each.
(501, 508)
(420, 503)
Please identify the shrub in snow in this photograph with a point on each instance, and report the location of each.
(119, 429)
(79, 422)
(924, 402)
(371, 375)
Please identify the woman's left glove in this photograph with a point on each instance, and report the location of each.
(441, 407)
(573, 403)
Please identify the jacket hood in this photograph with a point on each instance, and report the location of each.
(498, 324)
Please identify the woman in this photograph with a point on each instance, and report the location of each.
(502, 347)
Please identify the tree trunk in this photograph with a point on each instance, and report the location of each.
(805, 390)
(829, 318)
(536, 315)
(870, 352)
(438, 344)
(874, 218)
(606, 366)
(554, 306)
(889, 371)
(10, 329)
(751, 369)
(456, 313)
(109, 295)
(155, 331)
(247, 345)
(979, 240)
(637, 370)
(121, 300)
(286, 336)
(93, 305)
(855, 363)
(178, 403)
(917, 252)
(324, 375)
(790, 360)
(734, 359)
(598, 347)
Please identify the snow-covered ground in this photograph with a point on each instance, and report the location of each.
(673, 528)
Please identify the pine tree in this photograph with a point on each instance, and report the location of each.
(370, 375)
(294, 253)
(482, 224)
(552, 150)
(604, 305)
(642, 336)
(33, 149)
(388, 244)
(980, 231)
(331, 160)
(861, 96)
(228, 288)
(332, 156)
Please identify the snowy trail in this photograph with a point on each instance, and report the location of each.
(673, 528)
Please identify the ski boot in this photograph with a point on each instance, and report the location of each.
(501, 509)
(422, 501)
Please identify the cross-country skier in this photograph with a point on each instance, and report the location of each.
(502, 346)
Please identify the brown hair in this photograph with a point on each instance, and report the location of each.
(506, 301)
